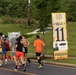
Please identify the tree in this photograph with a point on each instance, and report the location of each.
(13, 8)
(72, 11)
(43, 14)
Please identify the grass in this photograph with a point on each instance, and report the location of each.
(47, 38)
(23, 28)
(70, 60)
(71, 31)
(72, 38)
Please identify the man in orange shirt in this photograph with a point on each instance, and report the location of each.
(39, 44)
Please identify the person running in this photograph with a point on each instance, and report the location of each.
(1, 55)
(39, 44)
(19, 53)
(13, 42)
(7, 53)
(25, 43)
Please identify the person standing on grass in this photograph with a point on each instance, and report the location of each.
(39, 44)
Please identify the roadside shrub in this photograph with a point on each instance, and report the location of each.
(12, 20)
(1, 21)
(19, 20)
(7, 19)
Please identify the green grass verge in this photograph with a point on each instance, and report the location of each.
(69, 61)
(23, 28)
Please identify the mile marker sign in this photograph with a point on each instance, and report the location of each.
(60, 43)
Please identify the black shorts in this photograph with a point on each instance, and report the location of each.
(26, 50)
(38, 54)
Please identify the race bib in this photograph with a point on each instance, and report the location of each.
(23, 49)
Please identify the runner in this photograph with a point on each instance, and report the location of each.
(25, 43)
(19, 53)
(13, 42)
(1, 56)
(39, 44)
(7, 53)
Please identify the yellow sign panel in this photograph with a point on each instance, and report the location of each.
(60, 44)
(60, 54)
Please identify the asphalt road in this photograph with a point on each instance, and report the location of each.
(33, 69)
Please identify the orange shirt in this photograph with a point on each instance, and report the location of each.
(38, 44)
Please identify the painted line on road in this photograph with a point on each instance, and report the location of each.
(18, 71)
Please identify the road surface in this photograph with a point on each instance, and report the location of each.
(33, 69)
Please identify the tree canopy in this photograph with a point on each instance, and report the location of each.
(40, 9)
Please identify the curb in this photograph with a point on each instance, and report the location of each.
(56, 63)
(51, 56)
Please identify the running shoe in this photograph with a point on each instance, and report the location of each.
(0, 65)
(24, 70)
(40, 67)
(18, 66)
(6, 61)
(15, 69)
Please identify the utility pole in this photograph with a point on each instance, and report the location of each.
(28, 12)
